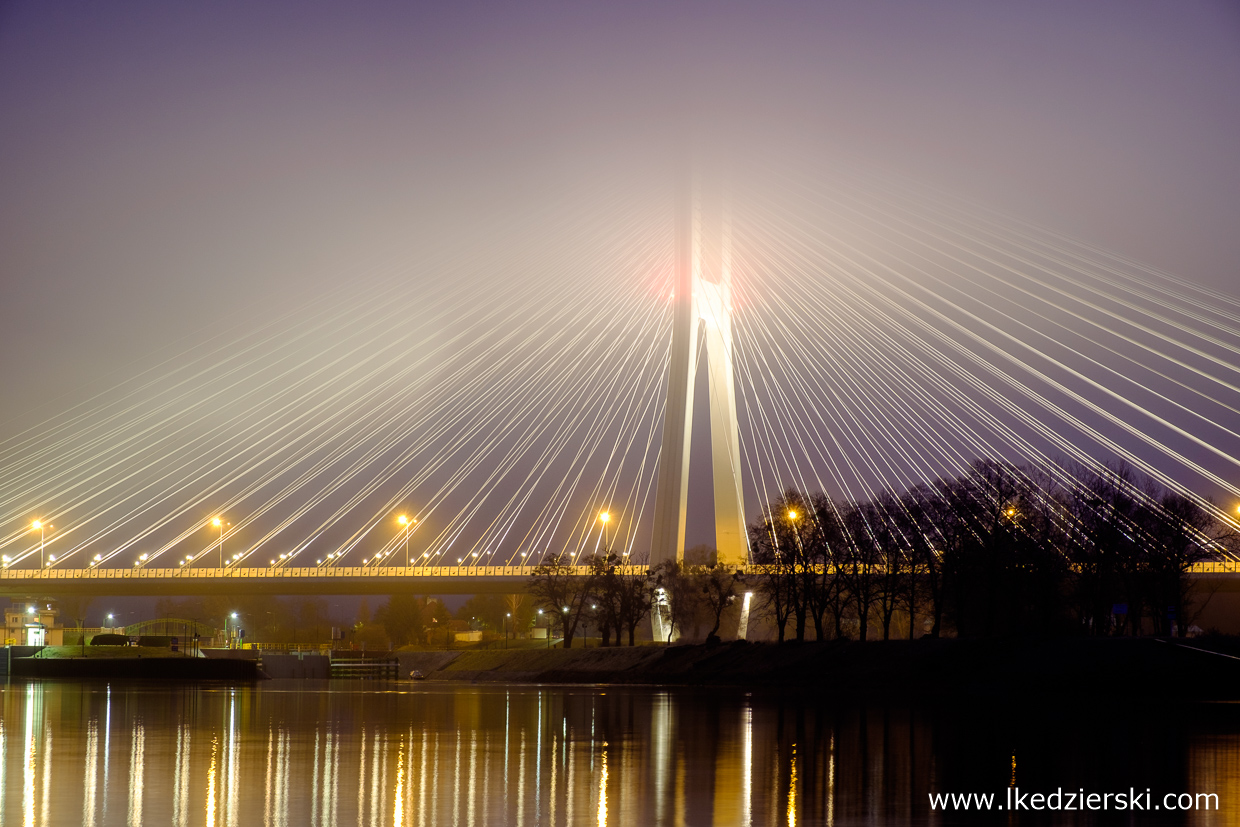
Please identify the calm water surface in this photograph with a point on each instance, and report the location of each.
(376, 753)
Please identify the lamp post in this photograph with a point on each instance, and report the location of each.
(605, 518)
(506, 618)
(792, 518)
(39, 526)
(219, 523)
(407, 522)
(226, 635)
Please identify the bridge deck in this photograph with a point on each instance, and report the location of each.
(339, 580)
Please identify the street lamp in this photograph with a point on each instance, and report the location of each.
(407, 522)
(605, 518)
(792, 518)
(39, 526)
(219, 523)
(226, 635)
(506, 618)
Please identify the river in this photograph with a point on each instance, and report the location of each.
(397, 753)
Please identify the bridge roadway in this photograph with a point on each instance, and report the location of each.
(1222, 576)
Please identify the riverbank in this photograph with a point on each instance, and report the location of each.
(1131, 667)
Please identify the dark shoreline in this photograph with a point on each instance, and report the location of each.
(1071, 667)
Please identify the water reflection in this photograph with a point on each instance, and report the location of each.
(280, 754)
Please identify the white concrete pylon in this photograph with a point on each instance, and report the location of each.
(702, 306)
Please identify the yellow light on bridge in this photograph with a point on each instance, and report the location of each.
(216, 521)
(604, 516)
(36, 525)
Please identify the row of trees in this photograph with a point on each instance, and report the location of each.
(999, 550)
(1002, 549)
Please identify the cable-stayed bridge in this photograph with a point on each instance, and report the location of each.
(859, 335)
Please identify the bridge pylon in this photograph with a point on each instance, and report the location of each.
(702, 307)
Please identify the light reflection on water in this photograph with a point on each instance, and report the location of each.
(282, 753)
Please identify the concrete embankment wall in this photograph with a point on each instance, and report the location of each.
(7, 653)
(297, 665)
(182, 669)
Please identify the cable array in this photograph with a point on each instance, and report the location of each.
(886, 336)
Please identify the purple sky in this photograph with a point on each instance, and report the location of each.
(168, 167)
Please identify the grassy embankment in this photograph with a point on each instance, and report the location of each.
(1143, 667)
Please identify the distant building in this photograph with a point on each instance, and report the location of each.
(26, 624)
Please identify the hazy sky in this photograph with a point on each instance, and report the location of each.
(167, 168)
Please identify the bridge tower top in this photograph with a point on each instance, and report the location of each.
(702, 308)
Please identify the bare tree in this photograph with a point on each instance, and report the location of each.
(719, 591)
(558, 588)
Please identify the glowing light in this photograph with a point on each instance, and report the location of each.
(36, 525)
(217, 522)
(792, 515)
(602, 790)
(604, 516)
(402, 519)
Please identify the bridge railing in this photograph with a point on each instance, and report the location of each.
(380, 572)
(246, 573)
